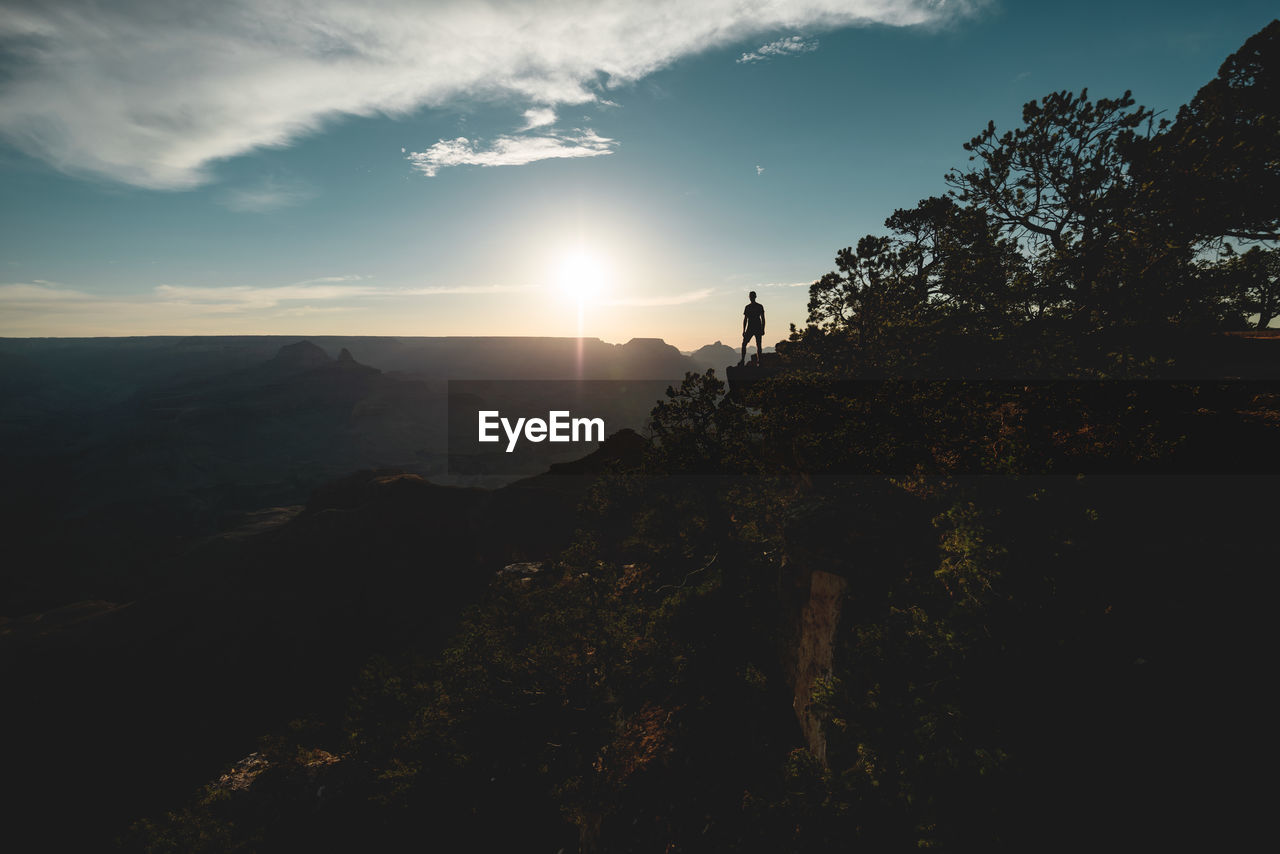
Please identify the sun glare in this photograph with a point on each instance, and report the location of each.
(582, 276)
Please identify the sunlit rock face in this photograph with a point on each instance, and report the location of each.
(835, 552)
(814, 652)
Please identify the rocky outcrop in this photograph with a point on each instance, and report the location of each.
(742, 377)
(69, 621)
(625, 447)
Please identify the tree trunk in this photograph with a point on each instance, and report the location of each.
(1266, 311)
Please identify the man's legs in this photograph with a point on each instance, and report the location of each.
(759, 349)
(746, 337)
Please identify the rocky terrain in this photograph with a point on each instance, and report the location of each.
(246, 629)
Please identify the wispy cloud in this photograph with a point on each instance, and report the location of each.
(32, 308)
(269, 194)
(324, 280)
(39, 291)
(246, 297)
(759, 170)
(312, 310)
(790, 46)
(538, 117)
(509, 150)
(465, 289)
(666, 299)
(785, 284)
(135, 92)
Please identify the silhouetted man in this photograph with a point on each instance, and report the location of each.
(752, 326)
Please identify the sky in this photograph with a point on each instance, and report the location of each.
(610, 169)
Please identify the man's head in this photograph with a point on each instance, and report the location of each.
(752, 295)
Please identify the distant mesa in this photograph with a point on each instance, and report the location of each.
(650, 358)
(651, 347)
(715, 355)
(304, 354)
(306, 359)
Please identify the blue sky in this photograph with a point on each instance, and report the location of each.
(540, 168)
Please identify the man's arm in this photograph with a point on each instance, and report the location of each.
(744, 321)
(761, 320)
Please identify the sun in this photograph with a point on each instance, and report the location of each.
(582, 275)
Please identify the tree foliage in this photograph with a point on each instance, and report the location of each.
(1093, 215)
(1060, 178)
(1216, 171)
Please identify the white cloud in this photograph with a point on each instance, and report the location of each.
(538, 117)
(509, 150)
(668, 299)
(759, 169)
(790, 46)
(268, 194)
(152, 93)
(785, 285)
